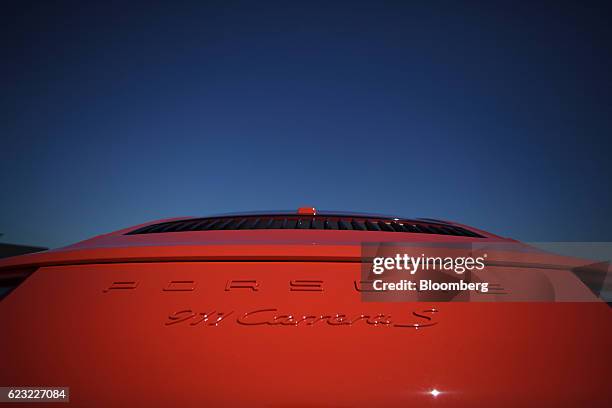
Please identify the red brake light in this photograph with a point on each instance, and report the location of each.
(307, 211)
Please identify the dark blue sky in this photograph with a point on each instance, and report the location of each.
(496, 115)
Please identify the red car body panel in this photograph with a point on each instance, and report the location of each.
(208, 319)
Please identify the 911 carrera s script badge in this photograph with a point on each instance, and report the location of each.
(275, 317)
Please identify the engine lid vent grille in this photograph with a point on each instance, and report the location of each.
(316, 222)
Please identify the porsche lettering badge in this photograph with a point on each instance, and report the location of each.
(417, 319)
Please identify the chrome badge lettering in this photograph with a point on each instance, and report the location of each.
(268, 317)
(274, 317)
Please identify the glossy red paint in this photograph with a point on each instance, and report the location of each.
(275, 318)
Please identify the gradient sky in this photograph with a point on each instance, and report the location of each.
(495, 115)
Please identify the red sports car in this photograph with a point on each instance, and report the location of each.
(276, 310)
